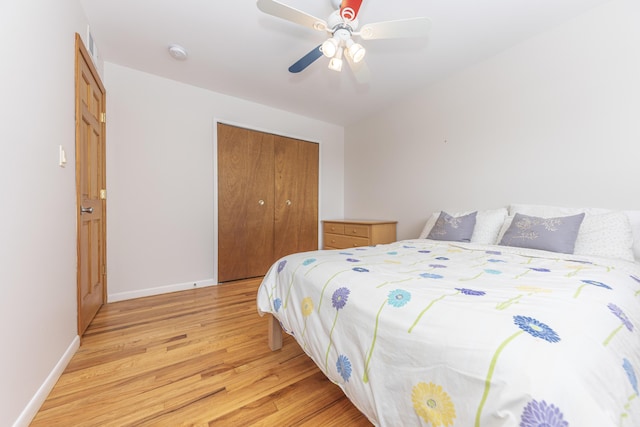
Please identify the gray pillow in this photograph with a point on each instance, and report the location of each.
(455, 229)
(549, 234)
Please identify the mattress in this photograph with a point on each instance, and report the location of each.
(421, 332)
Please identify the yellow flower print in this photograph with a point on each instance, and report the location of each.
(533, 289)
(433, 404)
(307, 306)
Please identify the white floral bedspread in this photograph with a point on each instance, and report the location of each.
(431, 333)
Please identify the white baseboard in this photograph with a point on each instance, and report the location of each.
(38, 399)
(121, 296)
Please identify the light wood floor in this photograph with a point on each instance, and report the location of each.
(197, 357)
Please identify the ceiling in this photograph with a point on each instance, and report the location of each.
(237, 50)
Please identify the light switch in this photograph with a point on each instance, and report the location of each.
(62, 159)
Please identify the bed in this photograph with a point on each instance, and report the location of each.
(440, 332)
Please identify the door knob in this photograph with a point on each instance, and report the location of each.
(86, 210)
(261, 202)
(288, 202)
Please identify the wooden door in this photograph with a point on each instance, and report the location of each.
(245, 203)
(90, 187)
(296, 196)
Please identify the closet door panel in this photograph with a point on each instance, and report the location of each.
(245, 203)
(296, 196)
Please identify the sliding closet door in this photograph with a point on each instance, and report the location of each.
(296, 196)
(245, 203)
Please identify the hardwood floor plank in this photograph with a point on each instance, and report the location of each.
(198, 357)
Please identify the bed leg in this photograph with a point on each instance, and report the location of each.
(275, 334)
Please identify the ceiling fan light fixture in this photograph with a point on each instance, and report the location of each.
(357, 52)
(335, 63)
(330, 47)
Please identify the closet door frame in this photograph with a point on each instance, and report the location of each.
(216, 121)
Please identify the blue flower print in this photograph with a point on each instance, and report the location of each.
(491, 271)
(281, 265)
(424, 251)
(277, 303)
(340, 297)
(536, 328)
(339, 300)
(495, 260)
(493, 252)
(592, 283)
(635, 278)
(620, 315)
(540, 270)
(596, 283)
(344, 367)
(466, 291)
(631, 374)
(431, 276)
(360, 270)
(399, 298)
(396, 298)
(309, 261)
(617, 311)
(352, 260)
(537, 414)
(442, 258)
(437, 266)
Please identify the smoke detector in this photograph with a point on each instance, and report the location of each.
(177, 52)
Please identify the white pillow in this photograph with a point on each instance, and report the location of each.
(545, 211)
(488, 225)
(607, 235)
(634, 219)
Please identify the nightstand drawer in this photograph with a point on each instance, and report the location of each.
(356, 230)
(334, 227)
(340, 241)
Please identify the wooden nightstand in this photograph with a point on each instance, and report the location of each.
(343, 234)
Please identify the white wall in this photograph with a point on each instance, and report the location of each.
(554, 120)
(38, 218)
(160, 177)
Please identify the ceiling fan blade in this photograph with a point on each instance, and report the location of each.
(289, 13)
(306, 60)
(349, 9)
(360, 69)
(403, 28)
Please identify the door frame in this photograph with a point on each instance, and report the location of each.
(81, 52)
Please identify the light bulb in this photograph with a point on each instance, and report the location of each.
(330, 47)
(335, 64)
(356, 51)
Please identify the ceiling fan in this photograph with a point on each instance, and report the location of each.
(342, 26)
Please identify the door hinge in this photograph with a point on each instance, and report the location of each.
(103, 194)
(103, 117)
